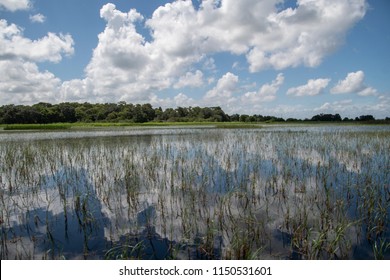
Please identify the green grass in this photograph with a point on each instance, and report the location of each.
(227, 125)
(237, 125)
(60, 126)
(148, 124)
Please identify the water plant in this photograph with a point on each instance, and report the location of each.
(187, 193)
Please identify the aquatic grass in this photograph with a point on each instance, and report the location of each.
(206, 193)
(37, 126)
(237, 125)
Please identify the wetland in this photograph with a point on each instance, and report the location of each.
(198, 192)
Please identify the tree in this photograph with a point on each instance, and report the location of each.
(327, 118)
(366, 118)
(148, 112)
(244, 118)
(235, 118)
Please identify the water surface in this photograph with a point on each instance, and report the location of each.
(278, 192)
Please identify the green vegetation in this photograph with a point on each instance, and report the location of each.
(123, 113)
(83, 125)
(36, 126)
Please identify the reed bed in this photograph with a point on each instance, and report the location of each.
(274, 193)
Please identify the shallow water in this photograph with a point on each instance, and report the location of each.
(279, 192)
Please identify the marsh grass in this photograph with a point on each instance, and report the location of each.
(198, 194)
(37, 126)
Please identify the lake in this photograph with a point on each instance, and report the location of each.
(273, 192)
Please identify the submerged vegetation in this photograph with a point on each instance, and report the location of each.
(184, 193)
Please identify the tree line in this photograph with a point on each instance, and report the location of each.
(70, 112)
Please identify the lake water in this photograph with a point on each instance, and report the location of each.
(276, 192)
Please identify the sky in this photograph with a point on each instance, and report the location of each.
(268, 57)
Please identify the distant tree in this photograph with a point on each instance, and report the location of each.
(366, 118)
(67, 113)
(148, 112)
(223, 116)
(327, 118)
(244, 118)
(86, 112)
(10, 114)
(235, 118)
(182, 112)
(275, 119)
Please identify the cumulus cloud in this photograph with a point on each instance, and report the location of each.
(267, 92)
(304, 34)
(384, 105)
(312, 88)
(77, 90)
(336, 106)
(180, 100)
(21, 81)
(352, 108)
(353, 83)
(190, 79)
(38, 18)
(15, 5)
(126, 66)
(224, 89)
(269, 37)
(13, 45)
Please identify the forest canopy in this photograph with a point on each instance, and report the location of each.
(71, 112)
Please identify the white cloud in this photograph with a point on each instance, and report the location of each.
(49, 48)
(22, 82)
(39, 18)
(312, 88)
(116, 19)
(383, 106)
(77, 90)
(190, 80)
(224, 89)
(209, 65)
(353, 83)
(269, 37)
(336, 106)
(180, 100)
(183, 100)
(118, 67)
(15, 5)
(303, 35)
(266, 93)
(126, 66)
(352, 108)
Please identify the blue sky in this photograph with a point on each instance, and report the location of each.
(270, 57)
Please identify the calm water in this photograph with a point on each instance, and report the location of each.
(196, 193)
